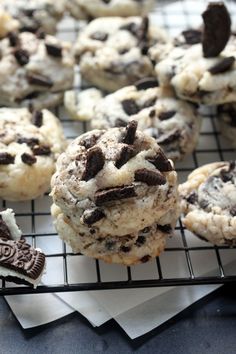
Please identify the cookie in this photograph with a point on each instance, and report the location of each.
(113, 51)
(19, 262)
(227, 115)
(208, 201)
(34, 70)
(204, 72)
(30, 142)
(81, 9)
(8, 227)
(80, 104)
(173, 123)
(34, 15)
(115, 195)
(7, 23)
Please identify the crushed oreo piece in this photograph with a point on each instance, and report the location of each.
(130, 107)
(166, 115)
(21, 258)
(28, 141)
(39, 80)
(99, 36)
(217, 29)
(89, 142)
(54, 50)
(192, 36)
(165, 139)
(125, 249)
(130, 132)
(233, 210)
(22, 56)
(146, 83)
(142, 35)
(165, 228)
(161, 162)
(145, 259)
(151, 178)
(4, 230)
(126, 153)
(222, 66)
(132, 27)
(140, 241)
(91, 216)
(152, 113)
(192, 198)
(28, 159)
(37, 118)
(6, 158)
(94, 164)
(120, 122)
(41, 150)
(13, 39)
(112, 194)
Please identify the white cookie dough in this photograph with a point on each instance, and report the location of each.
(7, 23)
(208, 201)
(111, 187)
(29, 145)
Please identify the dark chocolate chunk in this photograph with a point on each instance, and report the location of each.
(37, 118)
(4, 230)
(165, 139)
(166, 115)
(217, 29)
(41, 150)
(6, 158)
(28, 159)
(13, 39)
(28, 141)
(22, 258)
(233, 210)
(112, 194)
(94, 164)
(22, 56)
(151, 178)
(145, 83)
(140, 241)
(130, 131)
(192, 198)
(54, 50)
(89, 141)
(130, 107)
(99, 36)
(165, 228)
(39, 80)
(145, 259)
(222, 66)
(120, 123)
(192, 36)
(126, 153)
(93, 215)
(161, 162)
(125, 249)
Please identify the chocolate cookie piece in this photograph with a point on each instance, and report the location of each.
(150, 177)
(166, 115)
(95, 162)
(113, 194)
(41, 150)
(99, 36)
(13, 39)
(6, 158)
(39, 80)
(192, 36)
(37, 118)
(26, 262)
(130, 107)
(161, 162)
(146, 83)
(223, 65)
(28, 159)
(54, 50)
(22, 56)
(130, 132)
(217, 29)
(126, 153)
(92, 216)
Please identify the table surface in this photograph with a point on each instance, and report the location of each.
(208, 327)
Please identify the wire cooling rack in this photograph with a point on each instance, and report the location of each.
(185, 257)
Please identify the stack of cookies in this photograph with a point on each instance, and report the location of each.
(114, 190)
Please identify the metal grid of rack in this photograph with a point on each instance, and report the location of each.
(34, 217)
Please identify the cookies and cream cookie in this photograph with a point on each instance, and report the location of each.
(34, 70)
(115, 195)
(30, 142)
(113, 51)
(208, 201)
(173, 123)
